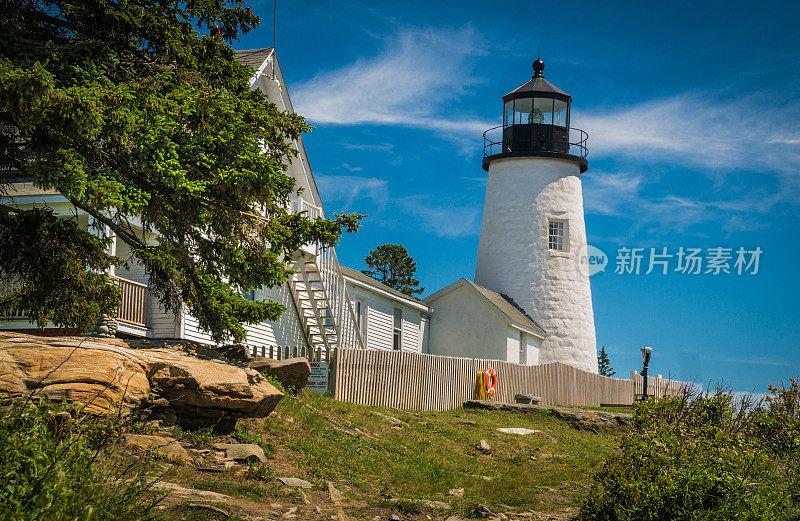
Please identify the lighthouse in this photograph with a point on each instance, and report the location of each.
(533, 226)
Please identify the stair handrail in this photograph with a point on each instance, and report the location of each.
(347, 331)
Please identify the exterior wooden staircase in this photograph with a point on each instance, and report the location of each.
(325, 309)
(315, 309)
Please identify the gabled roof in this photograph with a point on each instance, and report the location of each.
(253, 57)
(259, 59)
(368, 281)
(501, 304)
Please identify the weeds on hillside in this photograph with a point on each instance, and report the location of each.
(53, 466)
(704, 456)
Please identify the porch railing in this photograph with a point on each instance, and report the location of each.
(9, 313)
(134, 306)
(312, 211)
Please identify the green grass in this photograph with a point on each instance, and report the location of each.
(434, 452)
(186, 513)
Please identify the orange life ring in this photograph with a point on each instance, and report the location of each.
(491, 381)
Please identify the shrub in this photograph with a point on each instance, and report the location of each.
(57, 468)
(703, 457)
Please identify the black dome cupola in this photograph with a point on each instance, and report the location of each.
(536, 122)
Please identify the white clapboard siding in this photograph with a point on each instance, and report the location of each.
(192, 331)
(418, 381)
(286, 331)
(380, 321)
(411, 320)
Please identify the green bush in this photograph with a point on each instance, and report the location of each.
(55, 467)
(704, 457)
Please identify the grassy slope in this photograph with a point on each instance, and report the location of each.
(363, 453)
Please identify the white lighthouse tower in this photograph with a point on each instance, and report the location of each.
(533, 226)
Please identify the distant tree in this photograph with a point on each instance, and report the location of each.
(392, 265)
(604, 363)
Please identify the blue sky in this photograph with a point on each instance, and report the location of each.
(692, 111)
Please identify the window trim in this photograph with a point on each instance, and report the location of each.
(362, 317)
(564, 236)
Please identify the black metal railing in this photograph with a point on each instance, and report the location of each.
(537, 138)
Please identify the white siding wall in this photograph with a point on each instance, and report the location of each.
(192, 331)
(286, 331)
(411, 337)
(380, 320)
(463, 325)
(533, 349)
(512, 345)
(532, 345)
(424, 332)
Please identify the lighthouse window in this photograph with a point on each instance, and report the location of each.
(560, 113)
(508, 117)
(557, 235)
(542, 111)
(522, 111)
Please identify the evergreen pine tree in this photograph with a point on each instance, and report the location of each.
(392, 265)
(604, 363)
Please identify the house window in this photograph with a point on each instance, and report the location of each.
(523, 348)
(250, 295)
(397, 343)
(361, 318)
(557, 235)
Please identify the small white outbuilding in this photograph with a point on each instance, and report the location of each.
(387, 318)
(474, 322)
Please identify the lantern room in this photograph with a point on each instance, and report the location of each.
(536, 122)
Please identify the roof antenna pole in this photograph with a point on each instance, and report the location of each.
(274, 30)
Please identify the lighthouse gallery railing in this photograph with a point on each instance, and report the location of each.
(493, 142)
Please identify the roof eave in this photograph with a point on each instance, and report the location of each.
(536, 94)
(422, 306)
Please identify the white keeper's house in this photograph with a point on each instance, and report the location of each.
(320, 314)
(529, 303)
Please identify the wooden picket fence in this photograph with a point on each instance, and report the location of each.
(656, 385)
(437, 383)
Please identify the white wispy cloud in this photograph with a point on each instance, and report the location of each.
(408, 83)
(377, 147)
(748, 133)
(417, 211)
(620, 194)
(348, 189)
(352, 168)
(443, 218)
(649, 201)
